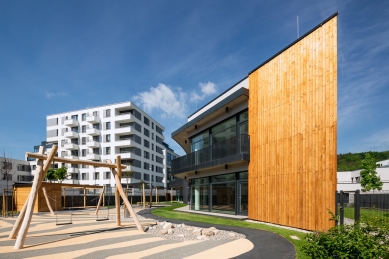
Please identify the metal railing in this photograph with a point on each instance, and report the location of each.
(232, 146)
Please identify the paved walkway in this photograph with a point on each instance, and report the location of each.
(87, 238)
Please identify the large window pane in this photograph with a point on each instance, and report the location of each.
(223, 178)
(200, 197)
(223, 198)
(224, 135)
(224, 125)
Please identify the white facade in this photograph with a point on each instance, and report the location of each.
(104, 132)
(168, 155)
(19, 171)
(350, 180)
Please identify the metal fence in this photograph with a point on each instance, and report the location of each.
(359, 206)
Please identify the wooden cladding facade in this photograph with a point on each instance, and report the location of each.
(293, 131)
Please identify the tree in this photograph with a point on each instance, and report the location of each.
(50, 175)
(369, 178)
(127, 174)
(61, 173)
(6, 169)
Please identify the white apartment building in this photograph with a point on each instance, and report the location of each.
(18, 171)
(351, 180)
(102, 133)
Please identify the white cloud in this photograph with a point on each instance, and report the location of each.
(378, 141)
(207, 89)
(49, 95)
(172, 102)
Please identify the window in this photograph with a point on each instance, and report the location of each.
(125, 150)
(159, 169)
(169, 158)
(96, 138)
(107, 113)
(108, 138)
(108, 125)
(159, 150)
(158, 139)
(152, 146)
(97, 176)
(83, 117)
(146, 154)
(96, 151)
(146, 177)
(74, 117)
(146, 166)
(75, 129)
(158, 129)
(146, 132)
(107, 175)
(95, 113)
(34, 167)
(83, 152)
(152, 157)
(108, 150)
(159, 159)
(83, 140)
(152, 136)
(146, 143)
(83, 129)
(152, 167)
(84, 176)
(152, 125)
(146, 120)
(96, 126)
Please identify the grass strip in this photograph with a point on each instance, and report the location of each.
(169, 213)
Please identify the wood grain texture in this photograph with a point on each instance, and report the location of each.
(293, 123)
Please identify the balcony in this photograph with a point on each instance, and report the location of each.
(72, 170)
(71, 134)
(71, 156)
(92, 131)
(92, 144)
(93, 119)
(125, 117)
(70, 146)
(125, 143)
(70, 123)
(92, 156)
(127, 155)
(124, 129)
(232, 150)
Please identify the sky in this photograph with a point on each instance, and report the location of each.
(172, 57)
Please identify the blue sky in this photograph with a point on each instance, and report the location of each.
(57, 56)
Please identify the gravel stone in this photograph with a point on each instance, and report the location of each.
(186, 232)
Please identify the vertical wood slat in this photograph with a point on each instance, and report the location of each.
(293, 121)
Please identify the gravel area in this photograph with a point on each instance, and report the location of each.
(182, 232)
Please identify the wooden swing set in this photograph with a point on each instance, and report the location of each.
(22, 224)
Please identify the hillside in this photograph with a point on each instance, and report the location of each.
(353, 161)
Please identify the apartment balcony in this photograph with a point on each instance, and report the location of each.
(93, 119)
(92, 156)
(70, 146)
(92, 144)
(178, 182)
(72, 170)
(125, 143)
(70, 123)
(70, 134)
(125, 117)
(126, 129)
(230, 151)
(92, 132)
(70, 156)
(129, 168)
(126, 155)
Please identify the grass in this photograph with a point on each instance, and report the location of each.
(367, 214)
(168, 212)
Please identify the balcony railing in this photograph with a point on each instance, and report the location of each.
(233, 149)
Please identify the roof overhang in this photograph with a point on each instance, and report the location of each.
(234, 99)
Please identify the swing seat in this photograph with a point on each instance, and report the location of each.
(65, 223)
(102, 219)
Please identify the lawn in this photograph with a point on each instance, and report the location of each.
(367, 214)
(168, 212)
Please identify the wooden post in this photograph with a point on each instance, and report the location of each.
(117, 194)
(156, 194)
(38, 177)
(84, 197)
(19, 220)
(125, 200)
(132, 191)
(171, 195)
(48, 201)
(101, 197)
(144, 196)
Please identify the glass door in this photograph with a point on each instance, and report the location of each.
(243, 198)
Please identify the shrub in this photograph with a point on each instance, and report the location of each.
(361, 240)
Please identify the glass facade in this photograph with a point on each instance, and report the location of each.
(226, 193)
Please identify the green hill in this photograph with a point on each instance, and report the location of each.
(353, 161)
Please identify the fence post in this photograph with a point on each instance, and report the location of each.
(357, 206)
(341, 208)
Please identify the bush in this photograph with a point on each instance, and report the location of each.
(361, 240)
